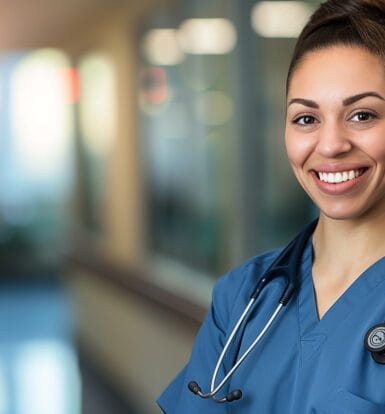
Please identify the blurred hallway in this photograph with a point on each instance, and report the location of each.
(141, 157)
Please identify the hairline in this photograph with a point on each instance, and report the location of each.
(320, 47)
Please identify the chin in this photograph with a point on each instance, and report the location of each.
(338, 213)
(342, 211)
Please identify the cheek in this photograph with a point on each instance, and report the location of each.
(297, 149)
(374, 147)
(378, 152)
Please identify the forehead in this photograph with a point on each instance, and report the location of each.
(337, 71)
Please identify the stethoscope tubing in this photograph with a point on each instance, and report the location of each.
(292, 254)
(214, 390)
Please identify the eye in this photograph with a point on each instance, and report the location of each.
(363, 116)
(305, 120)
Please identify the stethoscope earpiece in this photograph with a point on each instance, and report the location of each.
(194, 387)
(375, 342)
(231, 396)
(234, 395)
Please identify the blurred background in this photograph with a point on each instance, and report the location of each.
(141, 157)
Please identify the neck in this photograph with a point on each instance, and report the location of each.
(349, 246)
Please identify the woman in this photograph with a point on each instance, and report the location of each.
(313, 358)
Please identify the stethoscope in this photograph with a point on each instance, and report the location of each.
(286, 265)
(375, 342)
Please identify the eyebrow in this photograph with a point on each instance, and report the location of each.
(346, 102)
(355, 98)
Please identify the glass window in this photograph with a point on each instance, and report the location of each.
(218, 186)
(36, 158)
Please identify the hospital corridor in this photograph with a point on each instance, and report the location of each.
(141, 158)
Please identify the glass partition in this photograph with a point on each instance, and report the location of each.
(218, 186)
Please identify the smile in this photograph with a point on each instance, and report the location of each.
(340, 177)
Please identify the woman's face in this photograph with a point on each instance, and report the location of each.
(335, 130)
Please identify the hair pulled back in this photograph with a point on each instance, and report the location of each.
(342, 22)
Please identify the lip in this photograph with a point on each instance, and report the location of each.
(343, 188)
(334, 168)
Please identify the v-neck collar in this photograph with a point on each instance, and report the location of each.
(310, 324)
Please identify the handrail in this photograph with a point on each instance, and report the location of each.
(136, 282)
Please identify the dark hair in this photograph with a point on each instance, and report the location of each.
(342, 22)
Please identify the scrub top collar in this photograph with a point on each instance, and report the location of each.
(310, 324)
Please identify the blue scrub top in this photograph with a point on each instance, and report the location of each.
(303, 365)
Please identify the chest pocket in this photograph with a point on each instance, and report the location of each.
(344, 402)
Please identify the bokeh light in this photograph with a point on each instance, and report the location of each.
(270, 18)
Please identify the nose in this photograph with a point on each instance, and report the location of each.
(333, 140)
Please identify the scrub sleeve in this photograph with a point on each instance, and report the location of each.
(228, 293)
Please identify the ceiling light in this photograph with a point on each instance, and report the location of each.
(280, 18)
(207, 36)
(160, 47)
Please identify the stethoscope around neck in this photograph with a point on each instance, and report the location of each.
(286, 265)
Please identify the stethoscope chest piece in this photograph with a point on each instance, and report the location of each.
(375, 342)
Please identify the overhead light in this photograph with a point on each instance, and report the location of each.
(161, 48)
(280, 18)
(207, 36)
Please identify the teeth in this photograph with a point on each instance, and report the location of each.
(340, 177)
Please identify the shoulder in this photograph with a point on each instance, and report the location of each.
(246, 274)
(233, 290)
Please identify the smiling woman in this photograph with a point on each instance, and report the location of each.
(315, 359)
(336, 148)
(335, 139)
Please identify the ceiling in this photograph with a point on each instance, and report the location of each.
(37, 23)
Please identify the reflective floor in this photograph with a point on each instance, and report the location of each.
(38, 363)
(41, 371)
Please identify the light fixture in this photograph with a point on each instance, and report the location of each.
(280, 18)
(161, 47)
(207, 36)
